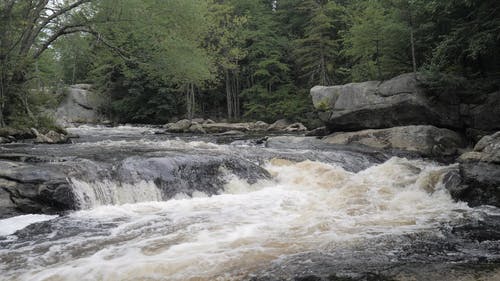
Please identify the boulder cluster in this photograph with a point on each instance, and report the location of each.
(208, 126)
(402, 115)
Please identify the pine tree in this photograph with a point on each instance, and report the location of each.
(318, 52)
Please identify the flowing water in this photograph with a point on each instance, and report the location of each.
(254, 213)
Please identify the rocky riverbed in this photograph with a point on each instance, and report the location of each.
(400, 184)
(127, 203)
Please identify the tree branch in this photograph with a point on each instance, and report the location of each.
(68, 29)
(32, 16)
(55, 15)
(79, 28)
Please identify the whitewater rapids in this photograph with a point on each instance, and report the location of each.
(305, 206)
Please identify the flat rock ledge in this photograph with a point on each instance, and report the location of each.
(202, 126)
(426, 141)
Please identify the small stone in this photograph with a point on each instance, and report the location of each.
(279, 125)
(296, 127)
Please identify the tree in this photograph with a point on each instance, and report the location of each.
(27, 30)
(226, 41)
(318, 51)
(469, 44)
(157, 57)
(73, 53)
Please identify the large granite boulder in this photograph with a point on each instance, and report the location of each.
(79, 106)
(480, 170)
(423, 140)
(375, 104)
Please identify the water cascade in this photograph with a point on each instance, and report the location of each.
(195, 210)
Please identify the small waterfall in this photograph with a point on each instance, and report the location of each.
(112, 193)
(303, 207)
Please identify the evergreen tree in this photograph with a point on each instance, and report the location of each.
(377, 42)
(318, 52)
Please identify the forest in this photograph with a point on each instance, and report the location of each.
(151, 61)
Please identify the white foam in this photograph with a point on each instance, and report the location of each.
(309, 205)
(11, 225)
(111, 193)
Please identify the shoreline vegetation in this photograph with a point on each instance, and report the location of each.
(154, 62)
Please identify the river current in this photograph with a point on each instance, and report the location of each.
(313, 212)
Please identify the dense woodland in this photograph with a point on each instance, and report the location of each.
(154, 60)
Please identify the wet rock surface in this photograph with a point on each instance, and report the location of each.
(39, 178)
(365, 214)
(427, 141)
(480, 170)
(44, 185)
(202, 126)
(468, 251)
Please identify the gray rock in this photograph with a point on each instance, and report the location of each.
(296, 127)
(82, 86)
(318, 132)
(55, 137)
(79, 106)
(36, 189)
(232, 133)
(480, 170)
(180, 126)
(374, 104)
(197, 129)
(260, 126)
(481, 184)
(486, 150)
(224, 127)
(45, 185)
(5, 140)
(50, 138)
(209, 121)
(423, 140)
(279, 125)
(296, 142)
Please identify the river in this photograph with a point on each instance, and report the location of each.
(171, 207)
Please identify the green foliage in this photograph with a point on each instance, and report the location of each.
(160, 51)
(286, 102)
(259, 57)
(317, 53)
(377, 42)
(73, 63)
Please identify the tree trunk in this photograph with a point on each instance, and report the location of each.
(235, 96)
(73, 76)
(378, 60)
(414, 59)
(193, 102)
(2, 105)
(190, 101)
(228, 95)
(324, 80)
(2, 98)
(412, 40)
